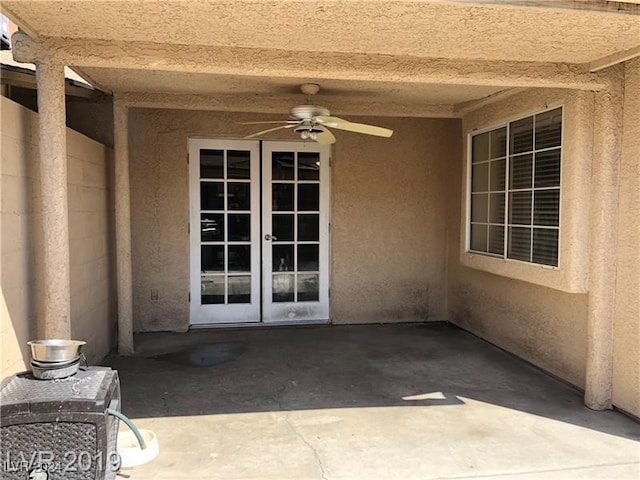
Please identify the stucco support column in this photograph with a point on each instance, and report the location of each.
(123, 227)
(608, 116)
(56, 316)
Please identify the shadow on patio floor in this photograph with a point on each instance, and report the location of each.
(287, 369)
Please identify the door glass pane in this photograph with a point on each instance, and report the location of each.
(238, 164)
(283, 258)
(308, 166)
(308, 197)
(308, 288)
(212, 258)
(212, 227)
(282, 164)
(308, 227)
(283, 287)
(239, 227)
(212, 290)
(211, 163)
(239, 258)
(239, 196)
(240, 289)
(283, 197)
(308, 258)
(211, 196)
(282, 227)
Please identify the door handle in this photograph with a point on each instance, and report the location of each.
(270, 237)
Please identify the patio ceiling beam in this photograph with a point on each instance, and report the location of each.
(614, 59)
(309, 65)
(629, 7)
(461, 109)
(279, 105)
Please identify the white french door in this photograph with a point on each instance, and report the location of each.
(295, 225)
(259, 231)
(224, 231)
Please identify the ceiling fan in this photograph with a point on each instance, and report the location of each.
(312, 122)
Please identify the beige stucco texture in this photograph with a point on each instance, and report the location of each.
(542, 319)
(626, 331)
(353, 27)
(388, 220)
(538, 313)
(388, 229)
(92, 308)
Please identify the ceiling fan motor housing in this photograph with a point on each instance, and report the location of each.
(307, 112)
(312, 122)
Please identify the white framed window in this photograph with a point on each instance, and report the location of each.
(514, 189)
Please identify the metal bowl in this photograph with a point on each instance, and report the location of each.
(44, 371)
(55, 350)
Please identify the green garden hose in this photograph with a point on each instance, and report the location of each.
(130, 424)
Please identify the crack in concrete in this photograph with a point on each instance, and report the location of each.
(306, 442)
(277, 398)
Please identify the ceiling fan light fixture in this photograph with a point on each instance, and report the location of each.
(313, 122)
(308, 133)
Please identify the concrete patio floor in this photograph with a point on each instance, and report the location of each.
(362, 402)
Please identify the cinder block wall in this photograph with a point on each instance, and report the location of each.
(90, 218)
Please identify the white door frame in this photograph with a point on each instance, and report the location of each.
(203, 315)
(295, 312)
(262, 310)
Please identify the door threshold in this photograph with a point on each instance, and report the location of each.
(287, 323)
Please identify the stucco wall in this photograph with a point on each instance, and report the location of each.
(388, 216)
(626, 342)
(546, 326)
(389, 220)
(93, 315)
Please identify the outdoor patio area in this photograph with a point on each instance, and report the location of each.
(362, 402)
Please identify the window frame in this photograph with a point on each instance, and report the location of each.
(469, 193)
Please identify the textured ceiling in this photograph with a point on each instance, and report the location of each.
(429, 31)
(426, 29)
(332, 90)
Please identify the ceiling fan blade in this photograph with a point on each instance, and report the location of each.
(325, 137)
(265, 122)
(257, 134)
(341, 124)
